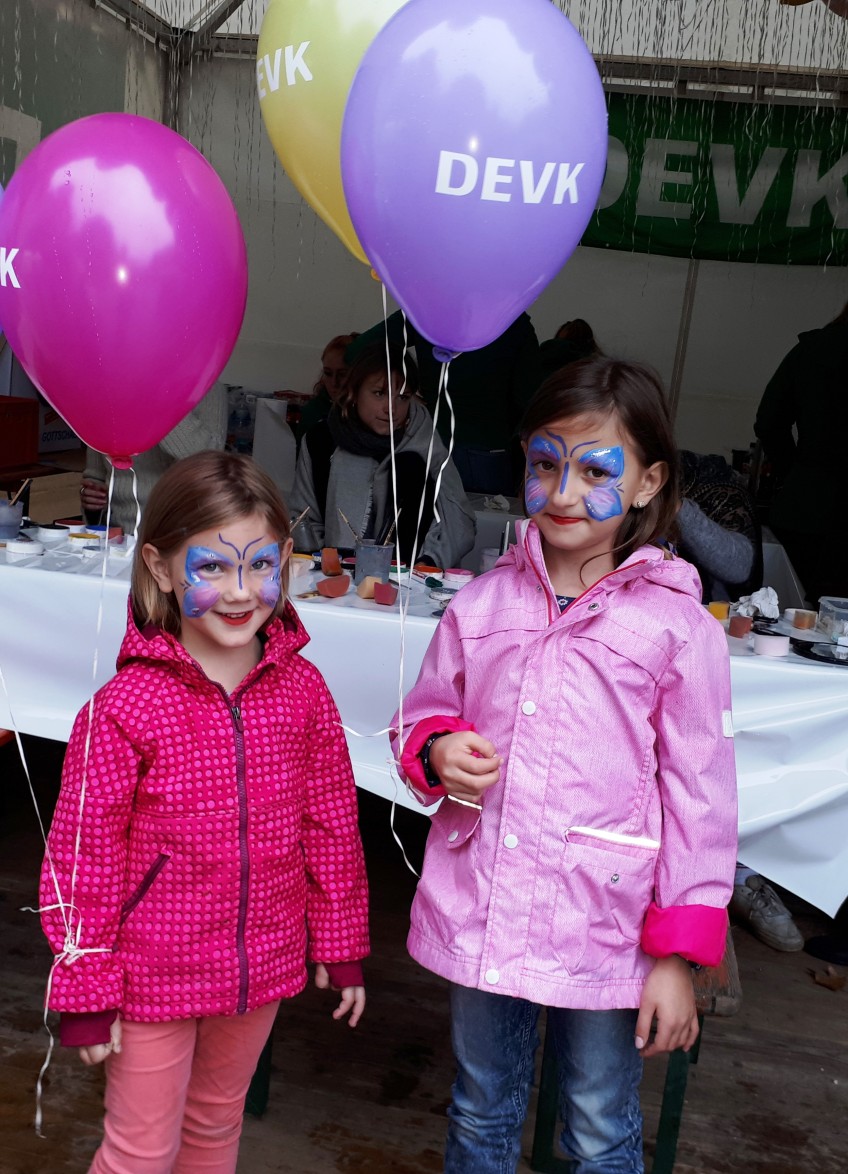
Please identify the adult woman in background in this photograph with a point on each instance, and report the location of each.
(329, 387)
(345, 468)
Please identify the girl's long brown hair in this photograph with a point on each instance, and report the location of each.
(633, 394)
(197, 493)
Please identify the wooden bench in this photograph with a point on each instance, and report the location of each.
(717, 992)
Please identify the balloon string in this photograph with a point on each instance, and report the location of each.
(71, 949)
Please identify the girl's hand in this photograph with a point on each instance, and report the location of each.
(353, 997)
(97, 1053)
(668, 994)
(466, 763)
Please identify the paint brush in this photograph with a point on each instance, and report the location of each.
(20, 491)
(347, 523)
(299, 519)
(391, 531)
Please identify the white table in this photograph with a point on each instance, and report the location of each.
(791, 716)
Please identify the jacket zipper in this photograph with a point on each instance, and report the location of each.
(144, 885)
(244, 862)
(244, 859)
(615, 837)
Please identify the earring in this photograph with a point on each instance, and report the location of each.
(639, 504)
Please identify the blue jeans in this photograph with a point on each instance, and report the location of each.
(495, 1041)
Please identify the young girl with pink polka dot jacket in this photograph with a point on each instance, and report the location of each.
(205, 841)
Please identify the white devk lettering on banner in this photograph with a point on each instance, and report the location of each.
(269, 71)
(458, 175)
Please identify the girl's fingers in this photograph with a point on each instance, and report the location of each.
(345, 1004)
(481, 766)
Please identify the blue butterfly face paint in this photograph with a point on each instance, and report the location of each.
(600, 469)
(200, 595)
(606, 465)
(207, 571)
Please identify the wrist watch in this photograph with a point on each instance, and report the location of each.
(430, 777)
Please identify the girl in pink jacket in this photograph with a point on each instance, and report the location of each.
(205, 841)
(574, 709)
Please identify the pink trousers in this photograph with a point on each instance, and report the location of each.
(175, 1094)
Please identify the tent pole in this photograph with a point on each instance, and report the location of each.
(682, 336)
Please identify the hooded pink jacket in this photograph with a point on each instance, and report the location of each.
(611, 835)
(218, 837)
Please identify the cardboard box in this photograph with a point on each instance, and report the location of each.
(53, 434)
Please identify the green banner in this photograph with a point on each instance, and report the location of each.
(725, 181)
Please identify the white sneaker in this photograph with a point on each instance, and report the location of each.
(757, 905)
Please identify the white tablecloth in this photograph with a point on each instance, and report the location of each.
(790, 716)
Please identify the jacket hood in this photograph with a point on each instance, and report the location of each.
(648, 562)
(282, 638)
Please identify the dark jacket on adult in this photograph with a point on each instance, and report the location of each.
(810, 391)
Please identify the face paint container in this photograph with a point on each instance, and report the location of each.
(456, 577)
(771, 644)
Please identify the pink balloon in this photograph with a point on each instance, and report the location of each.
(123, 278)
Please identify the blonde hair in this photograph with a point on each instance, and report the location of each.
(339, 342)
(197, 493)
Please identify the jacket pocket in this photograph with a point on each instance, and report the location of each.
(603, 893)
(143, 886)
(447, 892)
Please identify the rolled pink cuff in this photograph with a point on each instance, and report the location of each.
(410, 762)
(342, 974)
(84, 1029)
(697, 932)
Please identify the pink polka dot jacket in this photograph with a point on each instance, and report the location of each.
(218, 842)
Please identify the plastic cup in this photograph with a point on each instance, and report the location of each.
(372, 559)
(11, 517)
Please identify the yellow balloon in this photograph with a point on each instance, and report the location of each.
(309, 51)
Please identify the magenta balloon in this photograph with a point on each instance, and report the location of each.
(123, 277)
(473, 150)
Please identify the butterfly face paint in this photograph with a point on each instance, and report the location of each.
(607, 466)
(600, 469)
(207, 571)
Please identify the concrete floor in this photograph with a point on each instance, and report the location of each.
(769, 1094)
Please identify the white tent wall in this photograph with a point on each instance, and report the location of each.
(304, 286)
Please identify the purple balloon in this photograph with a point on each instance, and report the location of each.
(473, 150)
(123, 277)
